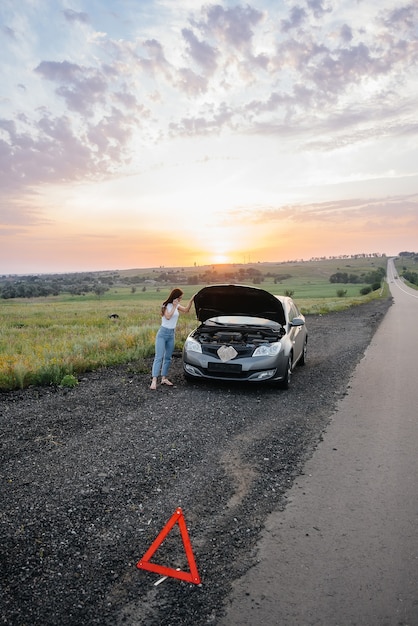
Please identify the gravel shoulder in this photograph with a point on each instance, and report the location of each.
(89, 476)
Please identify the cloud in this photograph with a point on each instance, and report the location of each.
(74, 16)
(405, 16)
(62, 71)
(200, 51)
(128, 100)
(233, 26)
(156, 63)
(82, 88)
(399, 209)
(190, 82)
(237, 68)
(296, 19)
(317, 7)
(111, 135)
(53, 149)
(312, 73)
(19, 215)
(346, 33)
(9, 32)
(205, 124)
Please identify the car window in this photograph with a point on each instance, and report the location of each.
(294, 312)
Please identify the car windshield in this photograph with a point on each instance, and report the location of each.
(240, 320)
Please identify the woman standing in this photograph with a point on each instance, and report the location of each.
(164, 341)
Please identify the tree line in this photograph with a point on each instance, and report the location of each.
(373, 277)
(53, 285)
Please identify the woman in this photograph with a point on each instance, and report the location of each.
(164, 341)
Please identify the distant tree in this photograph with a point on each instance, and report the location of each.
(375, 276)
(339, 277)
(8, 291)
(100, 289)
(278, 278)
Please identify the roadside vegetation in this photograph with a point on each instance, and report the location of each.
(109, 318)
(407, 267)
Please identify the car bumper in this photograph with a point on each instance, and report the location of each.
(252, 369)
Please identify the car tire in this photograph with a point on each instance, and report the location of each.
(302, 360)
(285, 383)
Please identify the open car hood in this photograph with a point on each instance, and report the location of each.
(237, 300)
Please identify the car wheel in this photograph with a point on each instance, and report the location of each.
(285, 383)
(302, 359)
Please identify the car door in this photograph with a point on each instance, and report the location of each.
(297, 333)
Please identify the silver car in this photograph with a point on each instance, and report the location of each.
(245, 334)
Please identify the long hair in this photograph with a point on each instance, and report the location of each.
(176, 293)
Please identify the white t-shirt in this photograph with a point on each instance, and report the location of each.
(172, 322)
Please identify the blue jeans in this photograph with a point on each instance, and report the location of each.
(164, 348)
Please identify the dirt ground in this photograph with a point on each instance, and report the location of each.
(91, 475)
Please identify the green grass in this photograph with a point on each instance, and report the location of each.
(43, 341)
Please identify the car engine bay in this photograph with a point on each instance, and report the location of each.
(253, 336)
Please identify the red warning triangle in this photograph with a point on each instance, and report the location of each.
(190, 577)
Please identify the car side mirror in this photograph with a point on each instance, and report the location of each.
(297, 321)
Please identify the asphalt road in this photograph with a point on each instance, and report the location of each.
(345, 549)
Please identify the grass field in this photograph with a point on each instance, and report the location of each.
(53, 340)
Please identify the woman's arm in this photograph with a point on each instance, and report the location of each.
(168, 314)
(186, 309)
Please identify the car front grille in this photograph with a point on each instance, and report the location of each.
(243, 351)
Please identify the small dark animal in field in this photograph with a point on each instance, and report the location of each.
(113, 316)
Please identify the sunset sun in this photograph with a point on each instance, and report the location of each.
(220, 258)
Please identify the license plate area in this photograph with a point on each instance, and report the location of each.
(225, 368)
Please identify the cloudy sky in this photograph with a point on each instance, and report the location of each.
(141, 133)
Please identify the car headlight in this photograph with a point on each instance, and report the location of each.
(268, 349)
(191, 345)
